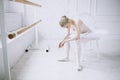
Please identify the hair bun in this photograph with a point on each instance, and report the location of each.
(63, 21)
(64, 16)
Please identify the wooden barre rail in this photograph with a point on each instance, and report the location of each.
(13, 35)
(27, 2)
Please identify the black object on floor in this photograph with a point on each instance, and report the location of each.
(47, 50)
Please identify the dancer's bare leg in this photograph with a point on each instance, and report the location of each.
(78, 43)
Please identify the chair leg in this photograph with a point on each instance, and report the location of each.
(91, 45)
(97, 48)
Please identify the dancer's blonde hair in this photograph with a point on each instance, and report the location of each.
(63, 21)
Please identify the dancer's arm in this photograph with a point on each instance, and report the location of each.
(61, 44)
(76, 37)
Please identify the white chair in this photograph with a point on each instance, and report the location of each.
(93, 42)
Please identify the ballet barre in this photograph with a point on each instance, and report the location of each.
(21, 30)
(27, 2)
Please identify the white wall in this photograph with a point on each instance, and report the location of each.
(1, 55)
(28, 13)
(107, 15)
(50, 14)
(13, 21)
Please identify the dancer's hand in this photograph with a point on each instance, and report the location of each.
(61, 44)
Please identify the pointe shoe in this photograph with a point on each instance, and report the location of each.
(64, 60)
(80, 68)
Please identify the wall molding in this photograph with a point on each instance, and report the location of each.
(103, 14)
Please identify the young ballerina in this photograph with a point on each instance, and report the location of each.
(78, 27)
